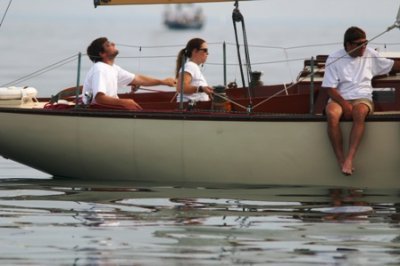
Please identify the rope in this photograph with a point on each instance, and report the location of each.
(233, 44)
(287, 64)
(5, 13)
(214, 93)
(161, 46)
(152, 90)
(286, 60)
(229, 100)
(148, 57)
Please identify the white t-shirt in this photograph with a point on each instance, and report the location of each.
(197, 80)
(352, 76)
(105, 78)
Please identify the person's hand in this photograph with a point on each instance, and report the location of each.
(347, 110)
(209, 90)
(169, 82)
(134, 88)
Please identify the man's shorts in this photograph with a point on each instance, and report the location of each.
(365, 101)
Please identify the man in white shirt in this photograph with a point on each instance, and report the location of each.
(347, 78)
(103, 79)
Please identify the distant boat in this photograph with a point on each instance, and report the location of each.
(183, 17)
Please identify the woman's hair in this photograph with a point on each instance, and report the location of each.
(194, 43)
(352, 34)
(95, 48)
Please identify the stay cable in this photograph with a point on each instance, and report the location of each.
(5, 13)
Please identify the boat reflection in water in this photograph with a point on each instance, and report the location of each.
(181, 17)
(108, 223)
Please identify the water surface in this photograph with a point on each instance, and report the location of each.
(111, 223)
(46, 221)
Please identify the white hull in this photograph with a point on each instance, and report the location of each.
(183, 151)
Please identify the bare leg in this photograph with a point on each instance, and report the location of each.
(334, 112)
(360, 112)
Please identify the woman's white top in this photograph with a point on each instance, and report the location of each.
(197, 80)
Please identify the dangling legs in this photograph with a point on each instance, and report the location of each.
(360, 112)
(334, 111)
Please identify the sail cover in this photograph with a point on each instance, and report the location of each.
(146, 2)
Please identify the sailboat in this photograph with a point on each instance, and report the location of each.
(184, 17)
(269, 135)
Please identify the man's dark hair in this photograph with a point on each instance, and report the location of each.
(352, 34)
(95, 48)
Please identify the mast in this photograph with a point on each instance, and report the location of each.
(237, 17)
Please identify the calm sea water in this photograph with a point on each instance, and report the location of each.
(46, 221)
(70, 222)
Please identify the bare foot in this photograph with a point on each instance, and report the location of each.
(347, 167)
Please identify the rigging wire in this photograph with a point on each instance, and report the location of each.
(5, 13)
(41, 71)
(229, 100)
(141, 56)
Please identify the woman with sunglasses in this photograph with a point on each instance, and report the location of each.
(195, 87)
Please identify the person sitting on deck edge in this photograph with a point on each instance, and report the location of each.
(103, 79)
(348, 76)
(195, 87)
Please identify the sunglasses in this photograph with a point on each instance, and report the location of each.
(363, 43)
(204, 50)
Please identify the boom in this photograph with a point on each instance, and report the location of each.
(147, 2)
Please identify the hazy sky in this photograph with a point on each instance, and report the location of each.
(38, 33)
